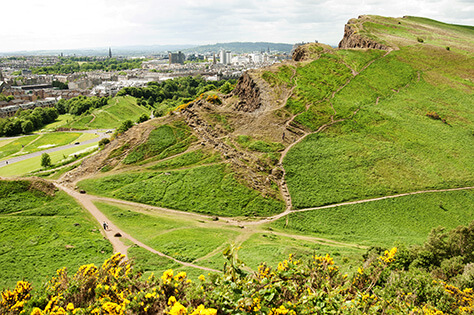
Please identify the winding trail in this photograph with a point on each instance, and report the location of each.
(249, 227)
(110, 233)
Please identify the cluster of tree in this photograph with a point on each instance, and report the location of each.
(6, 98)
(60, 85)
(80, 104)
(26, 121)
(171, 93)
(70, 65)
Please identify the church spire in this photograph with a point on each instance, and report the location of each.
(110, 52)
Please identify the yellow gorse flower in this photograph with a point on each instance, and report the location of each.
(388, 256)
(167, 276)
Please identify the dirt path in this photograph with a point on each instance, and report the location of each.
(287, 212)
(110, 233)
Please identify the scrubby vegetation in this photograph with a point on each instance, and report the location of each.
(389, 281)
(167, 95)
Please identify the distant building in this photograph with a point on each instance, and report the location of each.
(225, 57)
(110, 52)
(176, 58)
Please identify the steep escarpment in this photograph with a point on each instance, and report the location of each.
(249, 94)
(353, 39)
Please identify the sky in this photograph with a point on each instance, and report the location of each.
(66, 24)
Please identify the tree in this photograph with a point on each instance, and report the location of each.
(45, 160)
(226, 88)
(27, 126)
(127, 124)
(142, 118)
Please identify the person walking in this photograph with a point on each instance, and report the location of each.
(105, 225)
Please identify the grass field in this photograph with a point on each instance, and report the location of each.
(15, 145)
(34, 143)
(178, 237)
(110, 116)
(405, 220)
(196, 157)
(41, 233)
(61, 121)
(34, 164)
(205, 189)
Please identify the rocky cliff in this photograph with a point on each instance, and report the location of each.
(353, 39)
(249, 94)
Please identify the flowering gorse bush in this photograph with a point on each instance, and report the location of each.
(303, 285)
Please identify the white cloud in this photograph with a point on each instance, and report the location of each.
(57, 24)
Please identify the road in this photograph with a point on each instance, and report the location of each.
(15, 159)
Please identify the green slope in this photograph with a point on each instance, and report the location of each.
(386, 143)
(119, 109)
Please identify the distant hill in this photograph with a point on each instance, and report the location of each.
(242, 47)
(145, 50)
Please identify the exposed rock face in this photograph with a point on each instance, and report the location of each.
(352, 39)
(300, 54)
(248, 92)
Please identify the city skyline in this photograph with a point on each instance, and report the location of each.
(52, 25)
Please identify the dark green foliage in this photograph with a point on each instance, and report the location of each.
(60, 85)
(226, 88)
(26, 121)
(80, 104)
(142, 118)
(103, 142)
(45, 160)
(71, 65)
(127, 124)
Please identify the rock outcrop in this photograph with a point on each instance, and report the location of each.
(249, 94)
(352, 38)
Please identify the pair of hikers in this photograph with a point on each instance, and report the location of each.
(105, 225)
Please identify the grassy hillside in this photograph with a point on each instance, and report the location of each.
(119, 109)
(406, 116)
(205, 189)
(41, 232)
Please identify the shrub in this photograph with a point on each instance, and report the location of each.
(420, 40)
(45, 160)
(313, 285)
(142, 118)
(103, 142)
(127, 124)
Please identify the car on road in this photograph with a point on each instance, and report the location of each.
(76, 143)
